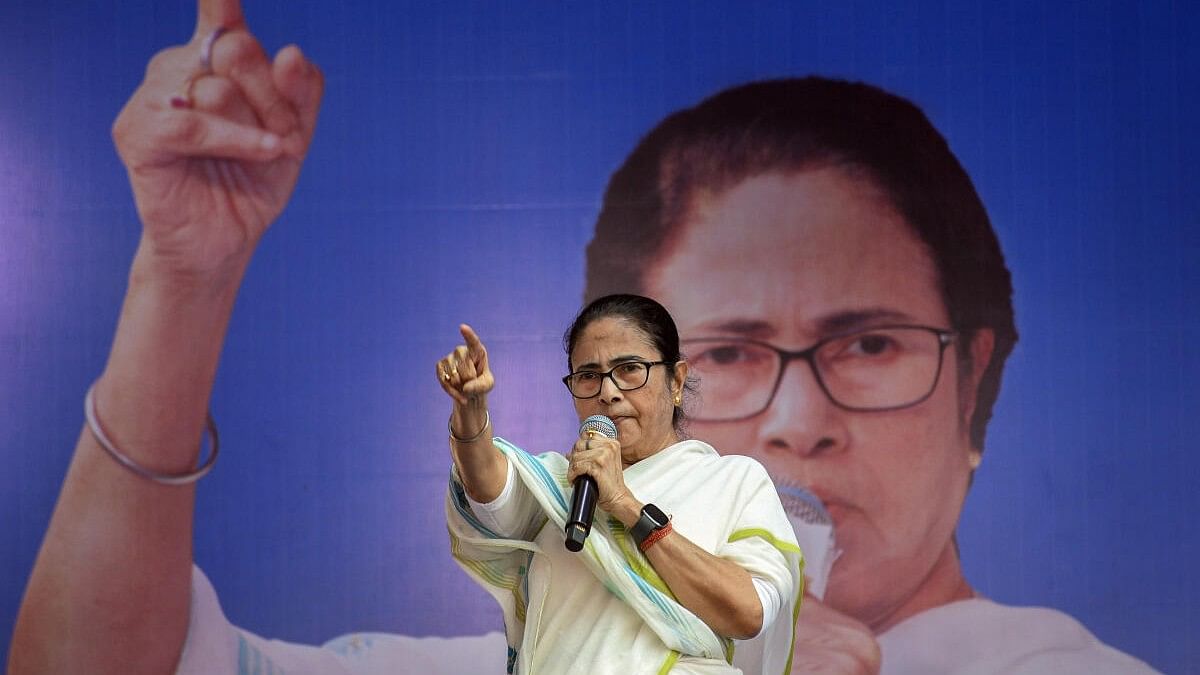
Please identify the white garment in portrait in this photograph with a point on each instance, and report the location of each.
(981, 637)
(216, 647)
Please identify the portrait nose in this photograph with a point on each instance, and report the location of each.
(801, 418)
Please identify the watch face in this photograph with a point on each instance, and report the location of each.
(654, 513)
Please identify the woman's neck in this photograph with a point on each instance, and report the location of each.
(629, 460)
(943, 585)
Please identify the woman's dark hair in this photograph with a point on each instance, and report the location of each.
(651, 318)
(794, 125)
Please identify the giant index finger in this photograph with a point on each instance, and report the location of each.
(213, 14)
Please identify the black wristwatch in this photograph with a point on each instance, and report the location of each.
(652, 519)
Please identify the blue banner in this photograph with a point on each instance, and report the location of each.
(456, 176)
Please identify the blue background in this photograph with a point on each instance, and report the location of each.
(457, 168)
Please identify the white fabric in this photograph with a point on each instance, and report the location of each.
(981, 637)
(503, 515)
(600, 610)
(216, 647)
(970, 637)
(768, 597)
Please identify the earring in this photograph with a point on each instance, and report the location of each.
(974, 459)
(678, 399)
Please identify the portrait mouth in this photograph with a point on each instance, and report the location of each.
(835, 507)
(838, 512)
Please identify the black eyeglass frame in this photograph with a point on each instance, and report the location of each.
(945, 337)
(648, 365)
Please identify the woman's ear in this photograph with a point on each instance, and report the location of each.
(983, 343)
(677, 382)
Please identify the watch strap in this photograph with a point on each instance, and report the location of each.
(651, 520)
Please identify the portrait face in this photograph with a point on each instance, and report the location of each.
(642, 415)
(793, 259)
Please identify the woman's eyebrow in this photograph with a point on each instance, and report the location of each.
(616, 360)
(833, 323)
(842, 322)
(749, 328)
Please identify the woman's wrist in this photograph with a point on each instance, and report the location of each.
(154, 391)
(470, 420)
(627, 509)
(153, 268)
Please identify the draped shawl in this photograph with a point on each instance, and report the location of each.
(724, 504)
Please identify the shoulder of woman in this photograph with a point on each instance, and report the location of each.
(734, 462)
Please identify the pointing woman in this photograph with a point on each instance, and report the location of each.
(689, 550)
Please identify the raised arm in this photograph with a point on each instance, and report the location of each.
(465, 375)
(213, 150)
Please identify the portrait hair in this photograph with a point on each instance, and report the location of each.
(799, 124)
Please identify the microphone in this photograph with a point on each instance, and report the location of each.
(583, 503)
(814, 532)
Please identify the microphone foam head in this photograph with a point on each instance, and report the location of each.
(814, 532)
(801, 504)
(600, 424)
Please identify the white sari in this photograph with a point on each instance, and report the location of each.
(605, 609)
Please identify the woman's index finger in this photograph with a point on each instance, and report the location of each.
(474, 344)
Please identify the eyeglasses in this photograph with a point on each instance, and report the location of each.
(627, 376)
(875, 369)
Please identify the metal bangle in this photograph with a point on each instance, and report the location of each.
(487, 420)
(93, 423)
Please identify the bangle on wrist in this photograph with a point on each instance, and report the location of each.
(487, 420)
(93, 424)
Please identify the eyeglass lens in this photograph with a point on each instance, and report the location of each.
(627, 376)
(874, 369)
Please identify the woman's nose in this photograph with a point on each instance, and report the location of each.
(609, 391)
(801, 418)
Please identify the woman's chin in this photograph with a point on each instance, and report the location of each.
(851, 589)
(625, 426)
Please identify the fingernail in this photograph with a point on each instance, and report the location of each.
(269, 142)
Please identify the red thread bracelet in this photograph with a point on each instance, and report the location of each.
(654, 536)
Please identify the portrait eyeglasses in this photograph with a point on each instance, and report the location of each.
(626, 376)
(869, 370)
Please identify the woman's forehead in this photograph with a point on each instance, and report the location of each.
(612, 339)
(791, 251)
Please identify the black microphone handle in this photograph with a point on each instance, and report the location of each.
(583, 507)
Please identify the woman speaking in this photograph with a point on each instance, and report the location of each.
(689, 550)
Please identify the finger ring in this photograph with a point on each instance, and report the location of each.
(206, 49)
(445, 376)
(184, 98)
